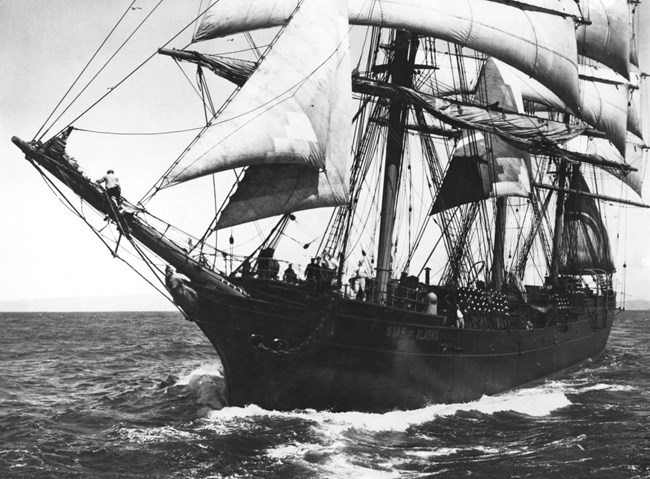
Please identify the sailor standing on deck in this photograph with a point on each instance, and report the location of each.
(290, 275)
(360, 276)
(112, 186)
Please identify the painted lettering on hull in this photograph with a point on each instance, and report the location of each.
(416, 334)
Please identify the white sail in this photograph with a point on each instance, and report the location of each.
(635, 109)
(295, 109)
(539, 44)
(636, 157)
(605, 106)
(606, 38)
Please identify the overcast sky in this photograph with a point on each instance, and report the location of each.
(47, 252)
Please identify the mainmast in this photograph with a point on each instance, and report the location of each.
(559, 222)
(404, 50)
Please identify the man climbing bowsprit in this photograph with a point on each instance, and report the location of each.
(112, 185)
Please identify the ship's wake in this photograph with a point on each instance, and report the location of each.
(478, 435)
(355, 444)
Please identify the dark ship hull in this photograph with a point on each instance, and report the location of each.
(340, 354)
(289, 346)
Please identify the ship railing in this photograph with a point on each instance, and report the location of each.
(206, 255)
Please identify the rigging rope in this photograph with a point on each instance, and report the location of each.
(83, 70)
(142, 133)
(102, 69)
(259, 110)
(68, 204)
(178, 64)
(134, 70)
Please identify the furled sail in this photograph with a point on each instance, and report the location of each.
(585, 244)
(293, 112)
(606, 38)
(604, 98)
(485, 166)
(539, 44)
(532, 134)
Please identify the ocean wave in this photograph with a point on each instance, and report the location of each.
(206, 383)
(155, 434)
(582, 385)
(609, 387)
(538, 401)
(210, 369)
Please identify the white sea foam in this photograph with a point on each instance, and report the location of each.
(290, 450)
(155, 434)
(337, 465)
(539, 401)
(578, 386)
(609, 387)
(427, 453)
(210, 369)
(333, 430)
(341, 466)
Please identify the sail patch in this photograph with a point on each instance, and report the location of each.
(298, 127)
(511, 178)
(477, 172)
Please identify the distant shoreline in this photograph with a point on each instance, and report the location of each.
(126, 303)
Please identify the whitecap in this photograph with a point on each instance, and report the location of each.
(341, 465)
(155, 434)
(608, 387)
(210, 369)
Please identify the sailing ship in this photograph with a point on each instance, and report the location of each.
(453, 163)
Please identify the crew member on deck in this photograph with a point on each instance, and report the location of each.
(360, 281)
(290, 275)
(312, 271)
(112, 186)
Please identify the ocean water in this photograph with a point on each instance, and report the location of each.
(139, 395)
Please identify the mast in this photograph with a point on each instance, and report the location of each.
(559, 222)
(401, 75)
(498, 264)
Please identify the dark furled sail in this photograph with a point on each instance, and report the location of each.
(585, 240)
